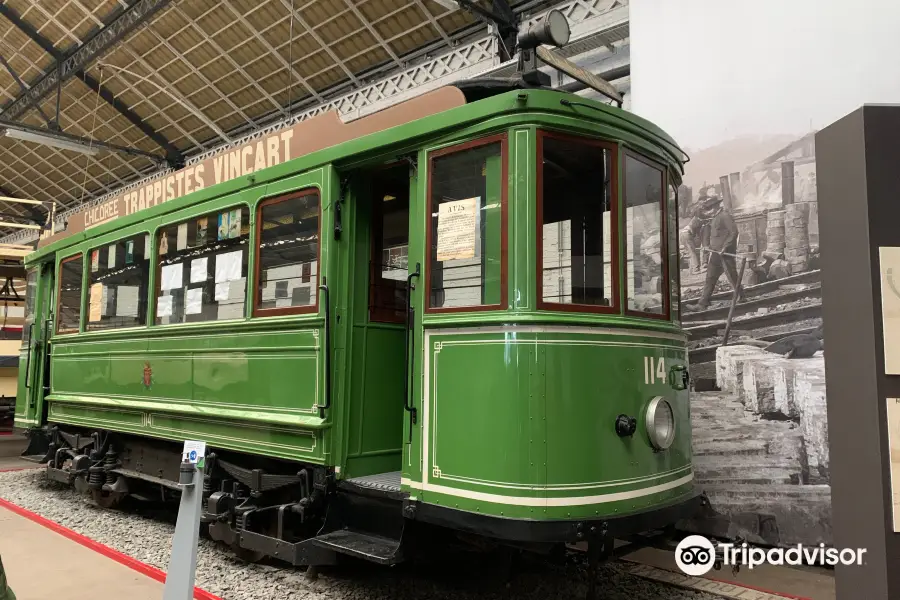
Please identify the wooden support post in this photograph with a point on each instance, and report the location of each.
(787, 182)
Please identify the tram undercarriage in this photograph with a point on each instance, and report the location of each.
(298, 514)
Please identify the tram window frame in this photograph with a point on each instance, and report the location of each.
(157, 264)
(503, 139)
(59, 329)
(258, 312)
(613, 149)
(144, 285)
(666, 314)
(675, 223)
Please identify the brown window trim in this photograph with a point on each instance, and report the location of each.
(503, 138)
(613, 149)
(290, 310)
(663, 238)
(60, 331)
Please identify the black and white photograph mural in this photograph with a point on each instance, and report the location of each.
(743, 87)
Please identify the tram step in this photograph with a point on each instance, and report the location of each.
(373, 548)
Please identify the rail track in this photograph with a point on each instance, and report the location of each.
(744, 322)
(708, 353)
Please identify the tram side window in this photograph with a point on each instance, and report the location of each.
(644, 237)
(575, 214)
(202, 272)
(466, 227)
(288, 279)
(70, 273)
(118, 278)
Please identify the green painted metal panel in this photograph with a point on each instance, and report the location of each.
(534, 433)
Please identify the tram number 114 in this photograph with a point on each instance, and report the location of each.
(654, 370)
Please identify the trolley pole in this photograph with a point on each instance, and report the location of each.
(183, 561)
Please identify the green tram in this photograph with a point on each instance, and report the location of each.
(456, 316)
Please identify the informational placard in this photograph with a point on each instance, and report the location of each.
(127, 300)
(457, 229)
(164, 306)
(228, 266)
(893, 426)
(222, 291)
(199, 270)
(181, 238)
(95, 311)
(111, 257)
(193, 302)
(889, 258)
(171, 277)
(193, 452)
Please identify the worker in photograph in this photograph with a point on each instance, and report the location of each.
(695, 236)
(723, 234)
(690, 238)
(5, 592)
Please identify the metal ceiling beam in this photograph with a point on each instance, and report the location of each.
(174, 156)
(24, 88)
(104, 39)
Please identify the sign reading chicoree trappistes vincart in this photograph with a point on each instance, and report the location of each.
(316, 133)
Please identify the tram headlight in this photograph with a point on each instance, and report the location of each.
(660, 423)
(552, 30)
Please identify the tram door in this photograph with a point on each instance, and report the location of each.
(379, 331)
(34, 357)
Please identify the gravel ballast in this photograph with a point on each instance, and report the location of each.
(148, 539)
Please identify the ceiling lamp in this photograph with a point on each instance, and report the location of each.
(47, 139)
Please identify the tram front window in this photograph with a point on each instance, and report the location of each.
(644, 237)
(467, 228)
(574, 223)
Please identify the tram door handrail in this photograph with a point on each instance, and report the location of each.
(324, 288)
(410, 345)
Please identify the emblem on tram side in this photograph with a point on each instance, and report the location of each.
(148, 375)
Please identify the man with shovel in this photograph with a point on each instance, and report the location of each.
(723, 234)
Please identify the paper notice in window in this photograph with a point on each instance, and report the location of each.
(171, 277)
(456, 230)
(164, 306)
(198, 270)
(111, 257)
(181, 239)
(127, 301)
(193, 302)
(96, 305)
(222, 291)
(228, 266)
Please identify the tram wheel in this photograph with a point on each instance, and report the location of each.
(107, 500)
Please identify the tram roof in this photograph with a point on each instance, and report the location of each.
(326, 139)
